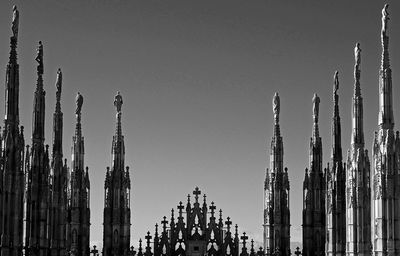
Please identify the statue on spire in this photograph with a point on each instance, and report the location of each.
(315, 107)
(336, 82)
(59, 84)
(39, 58)
(357, 54)
(385, 18)
(15, 22)
(276, 106)
(118, 102)
(79, 102)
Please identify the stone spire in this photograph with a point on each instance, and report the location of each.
(39, 101)
(12, 77)
(386, 120)
(118, 147)
(336, 128)
(386, 151)
(335, 186)
(58, 216)
(117, 213)
(79, 220)
(357, 137)
(276, 194)
(38, 187)
(315, 143)
(358, 184)
(12, 176)
(314, 217)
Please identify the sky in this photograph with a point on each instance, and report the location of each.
(197, 80)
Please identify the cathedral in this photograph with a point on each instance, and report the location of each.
(350, 207)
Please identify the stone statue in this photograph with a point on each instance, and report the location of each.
(315, 106)
(385, 18)
(336, 82)
(79, 102)
(39, 58)
(357, 54)
(276, 106)
(118, 102)
(59, 80)
(15, 22)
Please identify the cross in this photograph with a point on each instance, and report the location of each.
(164, 222)
(156, 229)
(188, 196)
(212, 208)
(228, 223)
(297, 252)
(94, 251)
(148, 237)
(244, 238)
(180, 207)
(196, 193)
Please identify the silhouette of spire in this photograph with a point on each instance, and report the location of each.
(39, 101)
(386, 120)
(118, 147)
(12, 79)
(357, 137)
(336, 128)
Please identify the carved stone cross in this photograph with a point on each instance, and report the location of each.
(297, 252)
(196, 193)
(212, 208)
(244, 238)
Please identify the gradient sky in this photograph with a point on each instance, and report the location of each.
(197, 79)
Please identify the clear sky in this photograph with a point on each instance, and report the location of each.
(197, 79)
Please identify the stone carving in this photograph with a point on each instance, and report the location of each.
(276, 106)
(377, 186)
(15, 22)
(315, 107)
(118, 102)
(336, 82)
(39, 58)
(357, 54)
(59, 81)
(385, 18)
(79, 102)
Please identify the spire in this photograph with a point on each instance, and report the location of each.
(78, 113)
(386, 120)
(78, 142)
(357, 137)
(39, 100)
(58, 120)
(12, 78)
(336, 129)
(276, 107)
(316, 101)
(276, 155)
(118, 147)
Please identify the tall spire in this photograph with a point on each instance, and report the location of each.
(12, 77)
(336, 129)
(386, 120)
(276, 157)
(357, 137)
(39, 101)
(58, 119)
(118, 148)
(315, 101)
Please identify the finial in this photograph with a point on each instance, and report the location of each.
(59, 82)
(15, 22)
(385, 17)
(336, 82)
(39, 58)
(79, 102)
(118, 102)
(276, 107)
(357, 56)
(315, 107)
